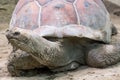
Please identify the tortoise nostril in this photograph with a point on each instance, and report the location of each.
(16, 33)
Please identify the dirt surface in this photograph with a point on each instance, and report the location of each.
(83, 73)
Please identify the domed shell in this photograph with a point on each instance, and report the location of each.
(64, 18)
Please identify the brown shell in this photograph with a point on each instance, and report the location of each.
(63, 18)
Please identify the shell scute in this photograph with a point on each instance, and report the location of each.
(91, 14)
(58, 14)
(27, 17)
(20, 5)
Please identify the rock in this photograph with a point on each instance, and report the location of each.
(112, 5)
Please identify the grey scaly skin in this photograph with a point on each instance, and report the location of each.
(19, 61)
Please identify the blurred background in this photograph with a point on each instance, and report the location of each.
(6, 9)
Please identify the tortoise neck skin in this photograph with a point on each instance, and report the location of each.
(33, 44)
(29, 41)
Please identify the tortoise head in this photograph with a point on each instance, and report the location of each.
(28, 40)
(25, 40)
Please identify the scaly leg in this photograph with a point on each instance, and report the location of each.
(103, 55)
(20, 61)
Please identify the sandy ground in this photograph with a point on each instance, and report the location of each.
(83, 73)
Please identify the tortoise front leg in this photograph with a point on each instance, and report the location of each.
(19, 61)
(103, 55)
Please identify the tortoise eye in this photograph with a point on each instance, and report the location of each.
(16, 33)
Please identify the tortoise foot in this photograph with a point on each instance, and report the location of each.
(104, 55)
(15, 72)
(24, 73)
(20, 63)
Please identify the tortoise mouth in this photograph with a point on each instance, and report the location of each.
(16, 40)
(18, 44)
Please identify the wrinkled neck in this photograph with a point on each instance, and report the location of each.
(42, 46)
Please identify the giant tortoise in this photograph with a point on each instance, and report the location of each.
(61, 35)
